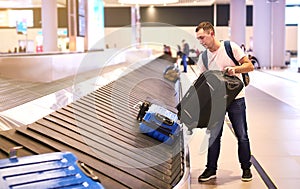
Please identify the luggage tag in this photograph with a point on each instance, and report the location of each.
(143, 108)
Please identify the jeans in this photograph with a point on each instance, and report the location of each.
(237, 115)
(184, 57)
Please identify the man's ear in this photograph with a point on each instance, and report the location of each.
(212, 33)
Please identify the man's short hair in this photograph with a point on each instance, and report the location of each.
(206, 26)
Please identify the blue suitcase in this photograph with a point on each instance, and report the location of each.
(52, 170)
(161, 124)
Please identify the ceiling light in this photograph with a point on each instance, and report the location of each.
(147, 2)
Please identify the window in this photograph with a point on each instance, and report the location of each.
(292, 15)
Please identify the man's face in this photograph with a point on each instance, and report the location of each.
(205, 38)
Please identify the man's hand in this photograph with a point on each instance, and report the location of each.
(230, 71)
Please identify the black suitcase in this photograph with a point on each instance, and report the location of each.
(206, 100)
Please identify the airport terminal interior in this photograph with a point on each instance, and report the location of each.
(86, 103)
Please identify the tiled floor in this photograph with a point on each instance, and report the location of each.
(273, 109)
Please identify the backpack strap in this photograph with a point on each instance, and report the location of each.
(230, 53)
(246, 78)
(205, 59)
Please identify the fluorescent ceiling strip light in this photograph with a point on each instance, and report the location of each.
(147, 2)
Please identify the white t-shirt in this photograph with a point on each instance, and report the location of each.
(219, 59)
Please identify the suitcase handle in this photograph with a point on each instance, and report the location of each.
(225, 72)
(138, 105)
(87, 171)
(164, 119)
(13, 152)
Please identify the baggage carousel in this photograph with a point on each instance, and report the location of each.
(101, 129)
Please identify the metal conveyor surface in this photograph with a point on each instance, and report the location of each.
(101, 130)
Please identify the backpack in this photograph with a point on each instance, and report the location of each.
(246, 77)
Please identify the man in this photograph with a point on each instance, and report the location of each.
(219, 60)
(185, 55)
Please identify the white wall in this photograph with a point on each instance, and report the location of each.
(9, 38)
(291, 38)
(173, 36)
(121, 37)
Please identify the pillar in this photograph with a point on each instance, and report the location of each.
(49, 25)
(136, 24)
(278, 34)
(298, 46)
(72, 24)
(95, 25)
(269, 32)
(238, 21)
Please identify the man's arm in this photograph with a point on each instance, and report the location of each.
(245, 66)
